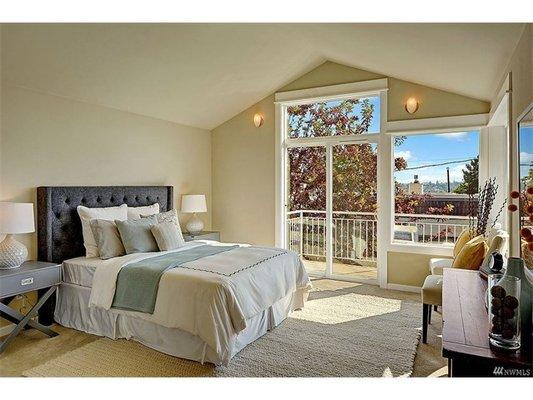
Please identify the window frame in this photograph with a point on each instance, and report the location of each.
(440, 132)
(377, 87)
(384, 139)
(433, 126)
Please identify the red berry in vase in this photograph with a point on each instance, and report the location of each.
(512, 207)
(515, 194)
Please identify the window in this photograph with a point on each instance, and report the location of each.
(436, 178)
(333, 118)
(331, 185)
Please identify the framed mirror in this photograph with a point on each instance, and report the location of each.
(525, 146)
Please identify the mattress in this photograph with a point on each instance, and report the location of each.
(80, 271)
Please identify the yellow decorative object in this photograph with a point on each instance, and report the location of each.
(472, 254)
(463, 238)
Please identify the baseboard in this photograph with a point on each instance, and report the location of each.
(6, 330)
(403, 288)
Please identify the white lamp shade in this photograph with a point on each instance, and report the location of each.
(191, 203)
(16, 218)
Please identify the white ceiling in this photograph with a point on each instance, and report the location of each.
(203, 74)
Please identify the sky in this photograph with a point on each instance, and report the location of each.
(526, 149)
(420, 150)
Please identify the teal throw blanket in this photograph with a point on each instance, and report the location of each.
(138, 283)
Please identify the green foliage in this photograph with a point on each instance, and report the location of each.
(470, 184)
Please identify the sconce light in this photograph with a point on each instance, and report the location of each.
(258, 120)
(411, 105)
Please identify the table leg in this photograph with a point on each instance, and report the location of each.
(15, 317)
(27, 318)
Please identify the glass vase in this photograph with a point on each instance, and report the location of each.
(504, 311)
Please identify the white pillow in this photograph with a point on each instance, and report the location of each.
(108, 214)
(135, 213)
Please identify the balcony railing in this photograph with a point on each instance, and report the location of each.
(355, 233)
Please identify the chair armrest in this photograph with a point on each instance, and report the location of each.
(436, 265)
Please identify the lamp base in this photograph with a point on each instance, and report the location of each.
(195, 225)
(12, 253)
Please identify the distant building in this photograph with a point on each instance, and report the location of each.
(416, 187)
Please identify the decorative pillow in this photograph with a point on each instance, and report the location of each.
(464, 237)
(87, 214)
(135, 213)
(169, 216)
(137, 235)
(472, 254)
(107, 239)
(166, 236)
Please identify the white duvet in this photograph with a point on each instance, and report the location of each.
(214, 296)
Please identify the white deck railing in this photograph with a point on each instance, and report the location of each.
(355, 233)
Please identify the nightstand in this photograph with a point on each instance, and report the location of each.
(204, 235)
(30, 276)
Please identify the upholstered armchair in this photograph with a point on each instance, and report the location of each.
(497, 240)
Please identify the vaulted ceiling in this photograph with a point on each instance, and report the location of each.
(203, 74)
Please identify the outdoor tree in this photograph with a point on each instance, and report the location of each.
(470, 182)
(354, 165)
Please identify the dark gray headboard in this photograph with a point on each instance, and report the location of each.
(59, 226)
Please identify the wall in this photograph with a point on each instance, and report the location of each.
(243, 177)
(49, 140)
(408, 269)
(244, 158)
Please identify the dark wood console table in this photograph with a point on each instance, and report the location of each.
(465, 341)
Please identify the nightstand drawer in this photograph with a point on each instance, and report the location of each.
(26, 281)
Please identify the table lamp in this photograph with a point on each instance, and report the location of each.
(194, 203)
(15, 218)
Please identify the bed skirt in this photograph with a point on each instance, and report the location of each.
(72, 311)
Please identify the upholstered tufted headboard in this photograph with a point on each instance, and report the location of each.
(59, 226)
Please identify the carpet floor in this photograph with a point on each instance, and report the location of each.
(356, 330)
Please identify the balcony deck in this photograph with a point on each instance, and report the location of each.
(366, 271)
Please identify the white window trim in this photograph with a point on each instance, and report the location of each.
(438, 125)
(377, 87)
(335, 92)
(458, 125)
(385, 157)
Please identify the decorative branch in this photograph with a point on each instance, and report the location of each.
(499, 214)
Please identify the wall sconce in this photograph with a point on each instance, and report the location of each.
(258, 120)
(411, 105)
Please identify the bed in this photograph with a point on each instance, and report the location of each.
(206, 310)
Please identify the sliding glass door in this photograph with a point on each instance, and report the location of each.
(331, 208)
(354, 210)
(306, 206)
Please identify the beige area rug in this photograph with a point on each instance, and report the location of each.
(359, 331)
